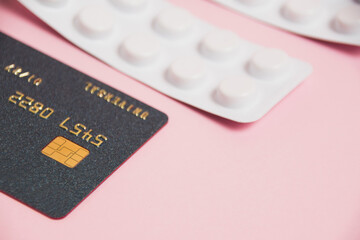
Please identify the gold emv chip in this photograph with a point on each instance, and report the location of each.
(65, 151)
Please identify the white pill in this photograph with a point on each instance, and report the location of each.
(174, 22)
(347, 20)
(219, 44)
(236, 91)
(140, 48)
(53, 3)
(95, 21)
(130, 5)
(252, 2)
(187, 71)
(301, 11)
(268, 63)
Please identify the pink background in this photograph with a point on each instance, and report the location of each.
(295, 174)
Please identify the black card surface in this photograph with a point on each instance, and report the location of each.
(62, 132)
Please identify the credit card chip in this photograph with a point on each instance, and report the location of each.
(65, 152)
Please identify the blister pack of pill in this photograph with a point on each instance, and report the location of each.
(171, 50)
(328, 20)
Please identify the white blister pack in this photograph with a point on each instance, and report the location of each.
(169, 49)
(329, 20)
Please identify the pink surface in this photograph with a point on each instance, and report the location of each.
(295, 174)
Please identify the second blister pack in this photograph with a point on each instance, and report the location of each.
(329, 20)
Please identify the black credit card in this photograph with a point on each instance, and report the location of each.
(62, 132)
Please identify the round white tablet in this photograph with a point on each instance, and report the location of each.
(140, 48)
(219, 44)
(268, 63)
(173, 22)
(186, 71)
(53, 3)
(347, 20)
(301, 11)
(130, 5)
(95, 21)
(236, 91)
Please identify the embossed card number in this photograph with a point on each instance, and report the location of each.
(29, 104)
